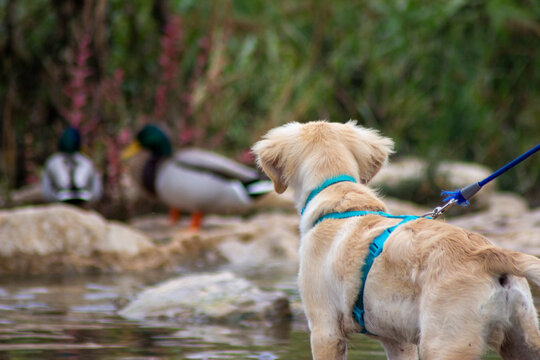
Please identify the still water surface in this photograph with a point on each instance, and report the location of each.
(75, 318)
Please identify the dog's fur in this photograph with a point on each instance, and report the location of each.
(436, 289)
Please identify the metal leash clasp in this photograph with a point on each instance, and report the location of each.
(439, 210)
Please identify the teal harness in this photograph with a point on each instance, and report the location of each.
(375, 248)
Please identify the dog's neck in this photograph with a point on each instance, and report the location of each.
(339, 197)
(328, 182)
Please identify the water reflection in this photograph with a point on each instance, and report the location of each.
(76, 318)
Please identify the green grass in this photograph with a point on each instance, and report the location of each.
(449, 79)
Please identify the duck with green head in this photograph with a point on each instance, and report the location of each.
(68, 175)
(192, 180)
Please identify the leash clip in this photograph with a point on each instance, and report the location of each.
(439, 210)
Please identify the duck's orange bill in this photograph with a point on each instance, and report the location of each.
(131, 150)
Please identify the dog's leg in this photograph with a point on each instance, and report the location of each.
(399, 351)
(451, 331)
(518, 345)
(327, 343)
(522, 338)
(445, 347)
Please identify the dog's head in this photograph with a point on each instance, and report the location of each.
(304, 155)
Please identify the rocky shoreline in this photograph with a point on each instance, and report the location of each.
(61, 240)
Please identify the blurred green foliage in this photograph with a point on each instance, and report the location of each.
(447, 79)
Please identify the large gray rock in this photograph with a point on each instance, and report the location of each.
(56, 238)
(219, 297)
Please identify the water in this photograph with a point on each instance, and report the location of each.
(75, 318)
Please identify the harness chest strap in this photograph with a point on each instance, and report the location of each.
(375, 248)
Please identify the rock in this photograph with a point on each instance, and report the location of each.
(263, 240)
(414, 179)
(455, 175)
(58, 238)
(397, 173)
(220, 297)
(507, 204)
(273, 237)
(124, 240)
(52, 239)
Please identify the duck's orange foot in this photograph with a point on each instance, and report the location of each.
(174, 215)
(196, 221)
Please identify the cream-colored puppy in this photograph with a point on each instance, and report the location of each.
(446, 290)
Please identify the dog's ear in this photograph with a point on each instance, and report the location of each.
(269, 153)
(370, 149)
(269, 159)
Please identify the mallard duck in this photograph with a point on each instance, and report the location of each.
(192, 180)
(68, 175)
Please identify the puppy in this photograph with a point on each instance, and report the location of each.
(436, 290)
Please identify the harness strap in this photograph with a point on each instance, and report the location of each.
(348, 214)
(375, 249)
(324, 185)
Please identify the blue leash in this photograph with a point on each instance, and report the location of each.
(463, 195)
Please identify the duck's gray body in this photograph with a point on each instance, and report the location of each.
(198, 180)
(70, 177)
